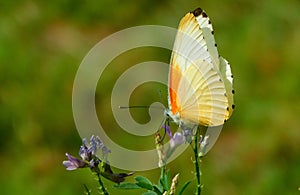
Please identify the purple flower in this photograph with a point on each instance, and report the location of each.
(83, 153)
(175, 141)
(88, 150)
(96, 143)
(73, 163)
(168, 130)
(89, 158)
(88, 155)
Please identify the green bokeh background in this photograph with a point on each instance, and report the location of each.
(42, 44)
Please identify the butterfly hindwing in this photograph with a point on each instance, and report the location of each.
(227, 79)
(201, 95)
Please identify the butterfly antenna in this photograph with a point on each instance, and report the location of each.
(128, 107)
(167, 123)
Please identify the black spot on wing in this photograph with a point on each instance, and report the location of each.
(233, 106)
(197, 12)
(204, 15)
(212, 32)
(233, 91)
(215, 45)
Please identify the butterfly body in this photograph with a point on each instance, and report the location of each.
(200, 81)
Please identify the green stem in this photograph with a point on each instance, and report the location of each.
(162, 171)
(102, 188)
(87, 190)
(196, 162)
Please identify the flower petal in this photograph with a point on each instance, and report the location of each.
(177, 140)
(83, 153)
(74, 162)
(69, 165)
(168, 130)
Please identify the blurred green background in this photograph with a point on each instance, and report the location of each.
(42, 44)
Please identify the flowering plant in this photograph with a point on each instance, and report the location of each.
(165, 186)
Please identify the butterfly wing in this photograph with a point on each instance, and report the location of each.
(227, 78)
(220, 64)
(197, 92)
(208, 34)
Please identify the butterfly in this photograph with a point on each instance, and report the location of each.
(200, 87)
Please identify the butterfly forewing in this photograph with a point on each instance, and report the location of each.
(208, 34)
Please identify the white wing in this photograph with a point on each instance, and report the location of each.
(227, 78)
(197, 91)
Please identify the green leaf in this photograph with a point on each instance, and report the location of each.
(149, 193)
(142, 179)
(158, 189)
(143, 182)
(185, 185)
(165, 181)
(127, 186)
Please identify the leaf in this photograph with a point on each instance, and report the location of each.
(142, 179)
(149, 193)
(143, 182)
(158, 189)
(114, 177)
(185, 185)
(165, 181)
(127, 186)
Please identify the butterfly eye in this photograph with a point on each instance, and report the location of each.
(166, 114)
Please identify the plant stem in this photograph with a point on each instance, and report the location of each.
(196, 162)
(102, 188)
(87, 190)
(162, 171)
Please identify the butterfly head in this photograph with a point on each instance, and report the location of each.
(175, 117)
